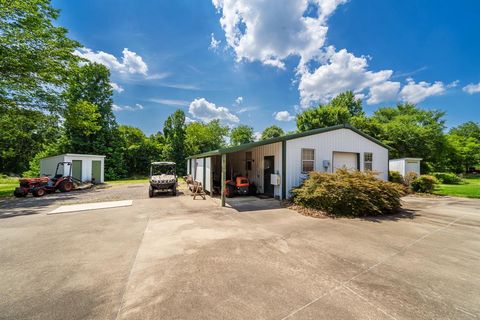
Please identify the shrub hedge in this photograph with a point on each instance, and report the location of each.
(395, 176)
(447, 177)
(348, 193)
(424, 183)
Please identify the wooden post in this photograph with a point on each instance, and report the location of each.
(224, 177)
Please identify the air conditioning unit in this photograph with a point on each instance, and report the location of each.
(275, 179)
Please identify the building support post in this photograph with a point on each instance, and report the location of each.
(224, 177)
(284, 170)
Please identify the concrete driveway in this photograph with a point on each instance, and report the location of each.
(175, 258)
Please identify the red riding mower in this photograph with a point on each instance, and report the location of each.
(239, 186)
(40, 186)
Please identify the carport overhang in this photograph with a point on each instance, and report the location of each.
(283, 139)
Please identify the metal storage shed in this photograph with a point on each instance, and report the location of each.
(279, 164)
(405, 165)
(85, 167)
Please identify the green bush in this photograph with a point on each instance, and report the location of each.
(424, 183)
(395, 176)
(409, 178)
(447, 177)
(348, 193)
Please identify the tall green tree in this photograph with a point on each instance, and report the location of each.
(272, 132)
(90, 83)
(468, 129)
(342, 109)
(24, 133)
(241, 134)
(466, 152)
(203, 137)
(36, 55)
(139, 150)
(414, 132)
(174, 133)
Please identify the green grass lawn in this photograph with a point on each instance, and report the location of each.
(470, 189)
(7, 185)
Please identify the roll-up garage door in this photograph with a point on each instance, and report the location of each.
(345, 160)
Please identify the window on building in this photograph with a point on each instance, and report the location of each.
(368, 161)
(308, 160)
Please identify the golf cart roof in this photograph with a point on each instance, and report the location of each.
(162, 163)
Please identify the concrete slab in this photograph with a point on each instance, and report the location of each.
(92, 206)
(176, 258)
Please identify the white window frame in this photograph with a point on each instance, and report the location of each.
(303, 160)
(365, 161)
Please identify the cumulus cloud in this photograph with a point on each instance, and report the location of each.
(116, 87)
(417, 92)
(341, 71)
(204, 110)
(283, 116)
(118, 108)
(386, 91)
(214, 43)
(270, 31)
(129, 63)
(472, 88)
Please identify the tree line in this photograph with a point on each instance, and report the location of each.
(52, 102)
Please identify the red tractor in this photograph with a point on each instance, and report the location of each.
(40, 186)
(239, 186)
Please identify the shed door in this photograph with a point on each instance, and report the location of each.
(345, 160)
(77, 169)
(97, 171)
(412, 166)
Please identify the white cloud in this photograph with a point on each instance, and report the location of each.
(170, 102)
(257, 136)
(239, 100)
(453, 84)
(127, 108)
(472, 88)
(189, 120)
(130, 63)
(340, 72)
(270, 31)
(417, 92)
(116, 87)
(214, 43)
(283, 116)
(206, 111)
(386, 91)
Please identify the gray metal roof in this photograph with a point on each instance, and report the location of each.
(247, 146)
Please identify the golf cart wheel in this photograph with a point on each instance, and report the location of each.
(66, 186)
(39, 192)
(174, 191)
(150, 192)
(19, 193)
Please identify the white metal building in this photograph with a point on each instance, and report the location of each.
(85, 167)
(279, 164)
(405, 165)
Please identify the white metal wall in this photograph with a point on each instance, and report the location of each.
(199, 170)
(208, 174)
(404, 166)
(343, 140)
(49, 165)
(237, 160)
(398, 165)
(87, 166)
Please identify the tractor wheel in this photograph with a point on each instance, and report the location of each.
(39, 192)
(19, 193)
(65, 186)
(151, 193)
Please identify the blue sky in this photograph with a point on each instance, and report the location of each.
(260, 62)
